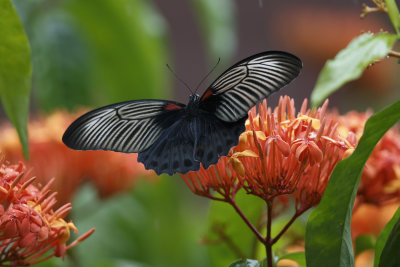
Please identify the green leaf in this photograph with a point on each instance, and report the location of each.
(298, 257)
(218, 25)
(224, 221)
(328, 239)
(350, 63)
(15, 71)
(127, 42)
(364, 242)
(394, 15)
(245, 263)
(385, 240)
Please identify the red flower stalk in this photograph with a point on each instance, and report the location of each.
(30, 228)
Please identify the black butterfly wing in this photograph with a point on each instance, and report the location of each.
(190, 141)
(172, 152)
(247, 82)
(128, 127)
(217, 139)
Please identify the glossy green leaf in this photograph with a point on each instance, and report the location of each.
(217, 19)
(224, 221)
(328, 239)
(127, 42)
(390, 253)
(245, 263)
(298, 257)
(350, 63)
(364, 242)
(393, 13)
(15, 70)
(386, 240)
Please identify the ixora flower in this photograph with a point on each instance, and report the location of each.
(31, 230)
(280, 153)
(380, 180)
(49, 157)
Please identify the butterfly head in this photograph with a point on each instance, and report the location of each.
(194, 98)
(193, 104)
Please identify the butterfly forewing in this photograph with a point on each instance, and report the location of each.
(240, 87)
(127, 127)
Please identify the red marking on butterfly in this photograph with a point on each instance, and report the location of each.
(206, 94)
(171, 106)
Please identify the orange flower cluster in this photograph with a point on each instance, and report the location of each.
(380, 180)
(49, 157)
(29, 226)
(280, 153)
(221, 178)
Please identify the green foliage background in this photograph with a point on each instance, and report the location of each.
(92, 53)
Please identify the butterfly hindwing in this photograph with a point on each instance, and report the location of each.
(217, 139)
(191, 141)
(244, 84)
(123, 127)
(172, 152)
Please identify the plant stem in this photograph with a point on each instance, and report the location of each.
(268, 243)
(394, 54)
(246, 220)
(284, 229)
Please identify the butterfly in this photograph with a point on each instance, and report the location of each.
(171, 137)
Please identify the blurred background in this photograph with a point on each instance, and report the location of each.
(88, 54)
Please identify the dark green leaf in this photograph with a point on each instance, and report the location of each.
(350, 63)
(128, 45)
(364, 242)
(387, 242)
(228, 236)
(245, 263)
(15, 70)
(328, 239)
(298, 257)
(393, 13)
(218, 24)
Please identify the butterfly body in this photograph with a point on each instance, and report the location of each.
(172, 137)
(196, 136)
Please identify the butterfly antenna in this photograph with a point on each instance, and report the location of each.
(208, 74)
(179, 79)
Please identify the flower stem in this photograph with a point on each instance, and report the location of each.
(394, 54)
(246, 220)
(268, 243)
(284, 229)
